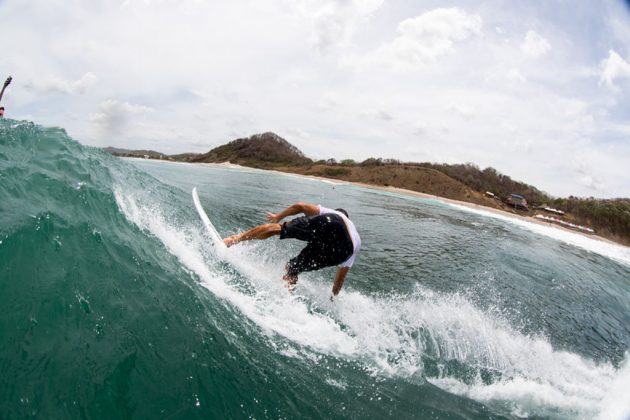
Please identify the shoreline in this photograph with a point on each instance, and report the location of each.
(493, 210)
(402, 191)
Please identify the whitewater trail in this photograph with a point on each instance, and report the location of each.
(271, 308)
(393, 335)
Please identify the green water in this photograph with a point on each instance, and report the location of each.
(114, 304)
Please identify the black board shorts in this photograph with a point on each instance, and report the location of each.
(328, 240)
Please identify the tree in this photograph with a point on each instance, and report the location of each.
(372, 162)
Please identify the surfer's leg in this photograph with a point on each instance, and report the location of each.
(289, 278)
(259, 232)
(306, 260)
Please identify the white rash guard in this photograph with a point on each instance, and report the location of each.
(352, 230)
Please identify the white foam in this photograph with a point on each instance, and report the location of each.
(615, 252)
(395, 333)
(391, 335)
(616, 405)
(271, 308)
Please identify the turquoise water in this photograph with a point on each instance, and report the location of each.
(115, 305)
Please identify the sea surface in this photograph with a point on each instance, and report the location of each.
(114, 303)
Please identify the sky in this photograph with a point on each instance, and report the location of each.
(537, 89)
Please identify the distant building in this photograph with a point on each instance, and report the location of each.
(555, 211)
(517, 201)
(565, 224)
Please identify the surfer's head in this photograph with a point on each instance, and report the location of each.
(1, 111)
(343, 211)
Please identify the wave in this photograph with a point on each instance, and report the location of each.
(51, 186)
(422, 336)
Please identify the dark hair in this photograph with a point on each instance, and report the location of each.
(344, 212)
(1, 107)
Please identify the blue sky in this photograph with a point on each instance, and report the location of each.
(536, 89)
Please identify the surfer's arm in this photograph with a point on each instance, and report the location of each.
(307, 209)
(6, 83)
(339, 278)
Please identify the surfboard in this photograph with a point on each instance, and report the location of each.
(212, 231)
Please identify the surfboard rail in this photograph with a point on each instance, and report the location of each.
(212, 231)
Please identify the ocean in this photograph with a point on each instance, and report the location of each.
(114, 304)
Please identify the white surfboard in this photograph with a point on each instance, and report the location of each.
(216, 238)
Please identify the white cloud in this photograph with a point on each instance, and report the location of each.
(114, 116)
(590, 183)
(294, 132)
(614, 67)
(57, 85)
(535, 45)
(436, 85)
(329, 101)
(424, 39)
(128, 108)
(515, 76)
(333, 22)
(420, 128)
(584, 169)
(460, 110)
(378, 114)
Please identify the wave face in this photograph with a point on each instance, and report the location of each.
(116, 305)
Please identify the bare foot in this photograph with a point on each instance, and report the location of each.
(230, 240)
(290, 282)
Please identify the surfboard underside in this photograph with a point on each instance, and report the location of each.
(212, 231)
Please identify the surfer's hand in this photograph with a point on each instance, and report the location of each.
(273, 217)
(8, 81)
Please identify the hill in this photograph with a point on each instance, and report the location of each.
(409, 177)
(260, 150)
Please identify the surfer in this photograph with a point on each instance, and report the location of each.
(6, 83)
(331, 237)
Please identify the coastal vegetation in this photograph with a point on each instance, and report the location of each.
(609, 218)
